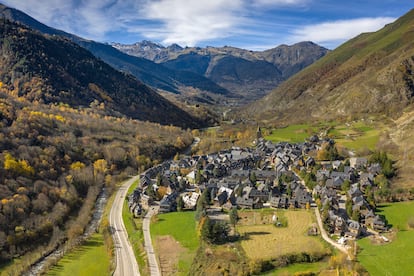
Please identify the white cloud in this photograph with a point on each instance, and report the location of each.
(189, 22)
(278, 3)
(334, 32)
(90, 19)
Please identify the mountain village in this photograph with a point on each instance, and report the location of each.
(268, 176)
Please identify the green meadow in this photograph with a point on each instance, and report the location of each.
(395, 257)
(299, 269)
(358, 135)
(291, 133)
(89, 259)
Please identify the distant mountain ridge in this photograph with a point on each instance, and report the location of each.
(371, 74)
(250, 74)
(148, 50)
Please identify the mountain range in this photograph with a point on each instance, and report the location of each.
(208, 75)
(248, 74)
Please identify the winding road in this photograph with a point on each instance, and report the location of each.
(126, 264)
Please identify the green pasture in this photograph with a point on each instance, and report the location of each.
(292, 133)
(395, 257)
(135, 235)
(299, 269)
(89, 259)
(357, 135)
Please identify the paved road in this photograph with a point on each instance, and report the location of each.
(152, 259)
(126, 264)
(325, 235)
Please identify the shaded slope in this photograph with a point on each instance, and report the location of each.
(54, 70)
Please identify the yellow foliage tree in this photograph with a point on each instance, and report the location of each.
(100, 166)
(77, 165)
(20, 167)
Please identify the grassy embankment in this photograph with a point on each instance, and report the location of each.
(300, 269)
(89, 259)
(395, 257)
(181, 229)
(97, 249)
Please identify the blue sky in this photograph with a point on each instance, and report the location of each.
(250, 24)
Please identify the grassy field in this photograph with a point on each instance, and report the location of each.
(302, 268)
(268, 241)
(182, 227)
(88, 259)
(292, 133)
(394, 258)
(357, 135)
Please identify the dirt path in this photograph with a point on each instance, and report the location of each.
(326, 237)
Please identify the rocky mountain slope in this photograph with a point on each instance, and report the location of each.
(370, 74)
(50, 69)
(250, 74)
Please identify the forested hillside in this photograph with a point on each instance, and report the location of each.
(68, 128)
(51, 69)
(54, 158)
